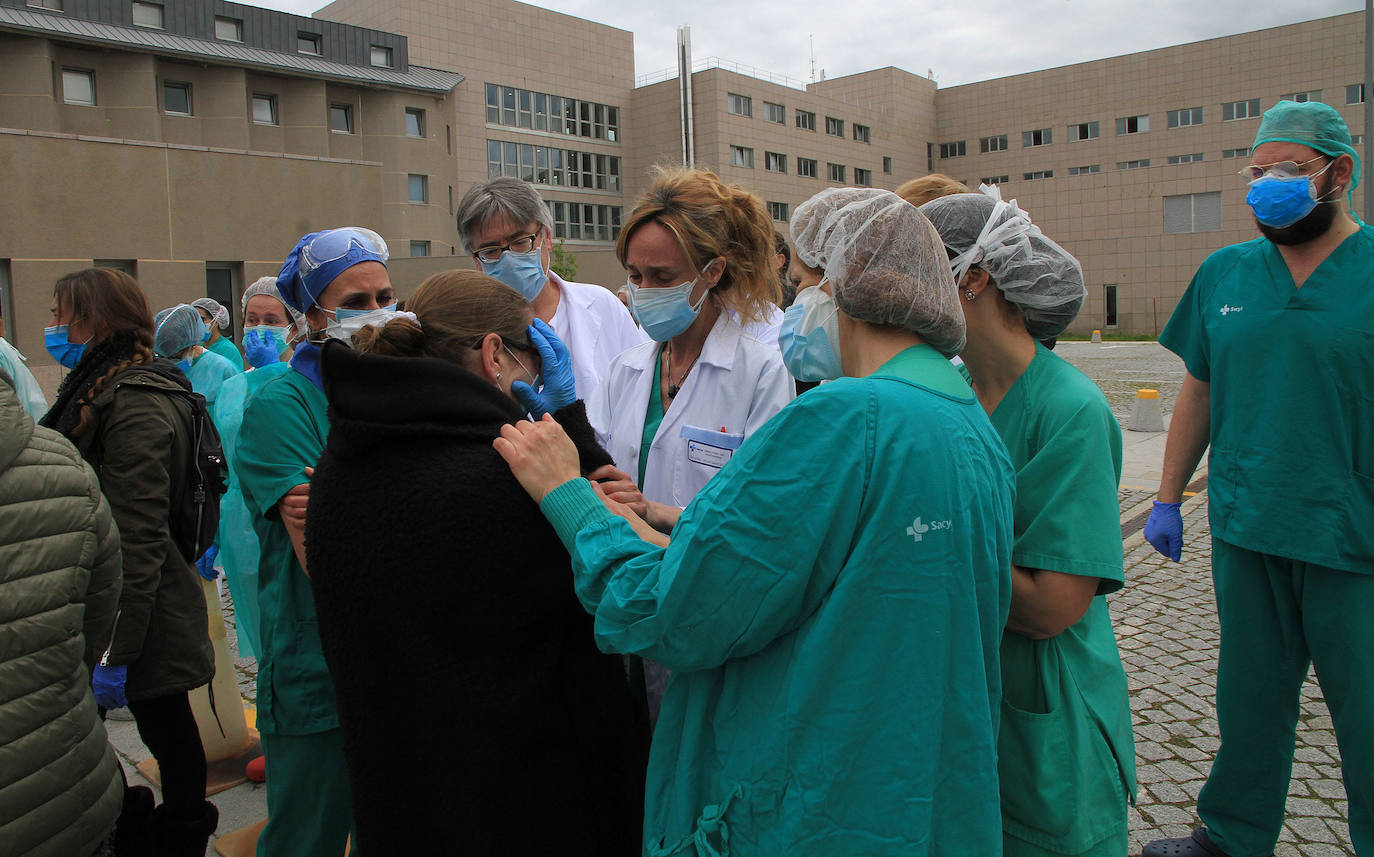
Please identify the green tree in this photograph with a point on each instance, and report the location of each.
(563, 263)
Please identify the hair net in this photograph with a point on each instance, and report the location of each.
(884, 262)
(1310, 123)
(1033, 272)
(177, 328)
(219, 316)
(268, 286)
(320, 257)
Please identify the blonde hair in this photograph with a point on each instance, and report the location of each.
(921, 190)
(710, 218)
(455, 310)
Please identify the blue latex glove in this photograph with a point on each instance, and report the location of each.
(1164, 529)
(108, 684)
(206, 564)
(260, 350)
(560, 388)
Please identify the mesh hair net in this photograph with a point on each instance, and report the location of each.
(176, 329)
(1043, 279)
(884, 261)
(268, 286)
(219, 316)
(1312, 124)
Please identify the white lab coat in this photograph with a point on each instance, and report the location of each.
(767, 331)
(737, 383)
(596, 327)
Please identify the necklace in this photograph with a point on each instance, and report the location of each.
(674, 389)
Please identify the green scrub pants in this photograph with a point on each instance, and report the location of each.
(1277, 616)
(309, 802)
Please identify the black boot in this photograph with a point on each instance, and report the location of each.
(133, 835)
(181, 835)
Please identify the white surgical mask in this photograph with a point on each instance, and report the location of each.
(349, 321)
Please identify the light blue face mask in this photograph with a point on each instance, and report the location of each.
(1280, 200)
(63, 350)
(349, 321)
(523, 272)
(665, 312)
(184, 364)
(810, 336)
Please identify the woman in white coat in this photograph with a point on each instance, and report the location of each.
(672, 411)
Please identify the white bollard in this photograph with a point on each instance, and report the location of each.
(1097, 336)
(1145, 414)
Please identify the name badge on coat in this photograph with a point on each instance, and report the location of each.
(709, 447)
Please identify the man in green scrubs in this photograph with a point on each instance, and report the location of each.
(1277, 335)
(330, 276)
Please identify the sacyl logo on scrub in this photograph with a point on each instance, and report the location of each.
(918, 529)
(1227, 309)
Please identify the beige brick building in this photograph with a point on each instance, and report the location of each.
(192, 141)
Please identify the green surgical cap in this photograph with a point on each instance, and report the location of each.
(1312, 124)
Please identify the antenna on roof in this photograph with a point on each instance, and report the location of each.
(813, 58)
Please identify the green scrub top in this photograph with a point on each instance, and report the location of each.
(831, 607)
(283, 432)
(225, 347)
(653, 417)
(1291, 467)
(1065, 697)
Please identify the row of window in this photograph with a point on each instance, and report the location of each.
(549, 166)
(776, 162)
(1173, 160)
(743, 105)
(584, 221)
(539, 111)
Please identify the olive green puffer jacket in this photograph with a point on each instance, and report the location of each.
(60, 785)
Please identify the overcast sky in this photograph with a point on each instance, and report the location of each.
(961, 42)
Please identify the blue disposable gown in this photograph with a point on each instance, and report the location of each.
(25, 385)
(831, 607)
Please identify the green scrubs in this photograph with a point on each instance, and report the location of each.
(831, 607)
(1291, 501)
(1065, 697)
(284, 432)
(225, 347)
(653, 417)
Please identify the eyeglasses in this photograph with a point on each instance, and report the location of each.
(336, 243)
(1283, 169)
(492, 252)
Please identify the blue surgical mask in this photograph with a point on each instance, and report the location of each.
(1280, 200)
(810, 336)
(349, 321)
(184, 364)
(523, 272)
(665, 312)
(63, 351)
(272, 333)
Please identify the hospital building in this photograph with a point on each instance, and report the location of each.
(191, 142)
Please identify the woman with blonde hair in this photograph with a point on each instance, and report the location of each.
(462, 663)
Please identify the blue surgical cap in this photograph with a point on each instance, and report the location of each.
(320, 257)
(1312, 124)
(176, 329)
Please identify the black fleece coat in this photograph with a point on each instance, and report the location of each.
(478, 716)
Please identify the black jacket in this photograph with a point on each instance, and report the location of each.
(475, 707)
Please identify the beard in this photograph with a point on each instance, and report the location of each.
(1316, 224)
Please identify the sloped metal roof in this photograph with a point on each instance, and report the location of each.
(163, 43)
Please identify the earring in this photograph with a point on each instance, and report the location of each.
(498, 376)
(969, 295)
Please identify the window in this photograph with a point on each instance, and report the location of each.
(1132, 165)
(264, 109)
(1039, 174)
(176, 98)
(952, 150)
(1194, 158)
(582, 222)
(778, 211)
(740, 156)
(1185, 118)
(1192, 212)
(863, 178)
(51, 5)
(341, 118)
(774, 113)
(415, 122)
(806, 167)
(887, 165)
(994, 180)
(1240, 110)
(417, 188)
(1354, 93)
(1109, 301)
(1084, 131)
(775, 162)
(381, 56)
(1310, 95)
(550, 166)
(861, 133)
(418, 249)
(1083, 171)
(1236, 153)
(540, 111)
(806, 120)
(740, 105)
(1356, 139)
(992, 144)
(228, 29)
(147, 14)
(1038, 137)
(834, 127)
(835, 172)
(308, 43)
(78, 86)
(1132, 125)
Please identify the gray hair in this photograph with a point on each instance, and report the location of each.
(504, 196)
